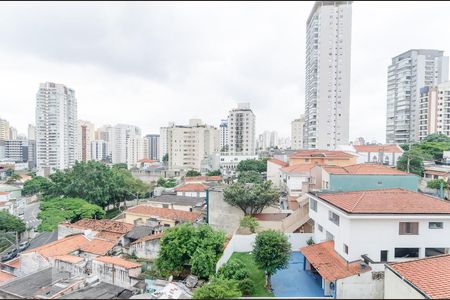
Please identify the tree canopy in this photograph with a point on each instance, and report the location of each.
(186, 246)
(257, 165)
(10, 223)
(35, 185)
(436, 184)
(271, 251)
(57, 210)
(214, 173)
(251, 198)
(250, 177)
(167, 183)
(416, 156)
(237, 270)
(193, 173)
(218, 288)
(250, 223)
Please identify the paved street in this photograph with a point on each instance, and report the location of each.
(30, 215)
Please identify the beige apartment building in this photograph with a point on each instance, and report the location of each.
(85, 135)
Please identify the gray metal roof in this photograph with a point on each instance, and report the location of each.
(102, 290)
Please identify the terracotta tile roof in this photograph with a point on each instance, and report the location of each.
(110, 236)
(97, 246)
(15, 263)
(165, 213)
(278, 162)
(61, 247)
(298, 169)
(378, 148)
(5, 276)
(155, 236)
(364, 169)
(386, 201)
(146, 160)
(191, 187)
(202, 178)
(117, 261)
(328, 263)
(69, 258)
(438, 173)
(322, 153)
(102, 225)
(5, 193)
(431, 275)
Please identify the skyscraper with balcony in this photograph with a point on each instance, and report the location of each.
(327, 75)
(223, 135)
(241, 130)
(56, 123)
(408, 73)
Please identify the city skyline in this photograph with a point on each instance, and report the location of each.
(219, 66)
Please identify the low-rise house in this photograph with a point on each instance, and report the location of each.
(174, 201)
(382, 154)
(147, 215)
(322, 157)
(357, 177)
(146, 247)
(116, 271)
(295, 179)
(228, 163)
(197, 190)
(274, 171)
(426, 278)
(101, 290)
(4, 196)
(376, 227)
(148, 163)
(202, 179)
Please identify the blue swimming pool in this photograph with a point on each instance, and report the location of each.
(296, 282)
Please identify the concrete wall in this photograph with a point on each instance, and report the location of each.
(360, 286)
(30, 263)
(146, 249)
(115, 274)
(274, 173)
(396, 288)
(221, 215)
(348, 183)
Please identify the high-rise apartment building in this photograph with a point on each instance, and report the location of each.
(16, 150)
(105, 133)
(327, 75)
(153, 146)
(434, 110)
(13, 135)
(241, 130)
(297, 129)
(223, 135)
(120, 142)
(56, 123)
(98, 150)
(85, 135)
(4, 130)
(408, 73)
(189, 145)
(135, 150)
(31, 132)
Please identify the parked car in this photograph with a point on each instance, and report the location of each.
(23, 246)
(10, 254)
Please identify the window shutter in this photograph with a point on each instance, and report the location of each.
(401, 228)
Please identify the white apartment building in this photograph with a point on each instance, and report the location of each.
(105, 133)
(374, 227)
(56, 123)
(13, 135)
(31, 132)
(327, 88)
(85, 135)
(119, 142)
(4, 130)
(188, 146)
(153, 146)
(408, 73)
(16, 150)
(164, 139)
(224, 135)
(98, 150)
(229, 163)
(241, 130)
(135, 150)
(434, 110)
(297, 127)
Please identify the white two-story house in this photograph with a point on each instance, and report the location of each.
(371, 228)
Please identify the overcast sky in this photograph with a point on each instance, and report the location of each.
(148, 64)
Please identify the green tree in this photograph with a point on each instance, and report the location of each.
(37, 184)
(203, 262)
(218, 288)
(121, 166)
(250, 223)
(236, 270)
(250, 177)
(436, 184)
(412, 161)
(57, 210)
(170, 183)
(165, 158)
(179, 245)
(437, 137)
(10, 223)
(271, 252)
(13, 178)
(214, 173)
(258, 165)
(193, 173)
(251, 198)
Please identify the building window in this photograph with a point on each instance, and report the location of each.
(406, 252)
(313, 204)
(409, 228)
(435, 251)
(436, 225)
(333, 217)
(345, 249)
(320, 227)
(165, 205)
(329, 236)
(383, 255)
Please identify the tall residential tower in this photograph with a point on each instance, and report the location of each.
(327, 78)
(241, 130)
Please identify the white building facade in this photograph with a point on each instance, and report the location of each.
(241, 130)
(223, 127)
(56, 123)
(297, 127)
(98, 150)
(327, 90)
(85, 135)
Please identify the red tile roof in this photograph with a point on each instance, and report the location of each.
(322, 153)
(438, 173)
(155, 236)
(378, 148)
(5, 276)
(298, 169)
(117, 261)
(69, 258)
(97, 246)
(61, 247)
(5, 193)
(146, 160)
(15, 263)
(328, 263)
(203, 178)
(110, 236)
(431, 275)
(364, 169)
(165, 213)
(191, 187)
(102, 225)
(278, 162)
(386, 201)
